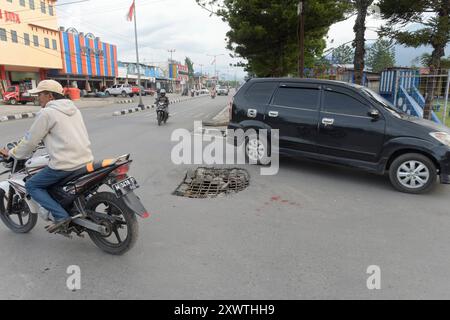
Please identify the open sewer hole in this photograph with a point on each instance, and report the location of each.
(211, 182)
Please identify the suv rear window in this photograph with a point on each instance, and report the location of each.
(301, 98)
(260, 92)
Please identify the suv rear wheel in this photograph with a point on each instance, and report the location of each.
(413, 173)
(124, 94)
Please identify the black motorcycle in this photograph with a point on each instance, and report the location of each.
(108, 217)
(162, 115)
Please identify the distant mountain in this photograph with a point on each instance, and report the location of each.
(405, 55)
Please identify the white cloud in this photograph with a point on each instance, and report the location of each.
(162, 25)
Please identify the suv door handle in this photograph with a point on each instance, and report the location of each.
(273, 114)
(327, 121)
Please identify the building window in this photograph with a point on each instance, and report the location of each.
(36, 41)
(3, 35)
(43, 7)
(32, 5)
(50, 10)
(14, 36)
(26, 39)
(55, 45)
(47, 43)
(22, 3)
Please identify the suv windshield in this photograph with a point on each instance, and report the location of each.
(11, 89)
(385, 103)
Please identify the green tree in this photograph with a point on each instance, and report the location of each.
(343, 55)
(381, 55)
(425, 60)
(434, 17)
(190, 66)
(188, 62)
(361, 10)
(264, 32)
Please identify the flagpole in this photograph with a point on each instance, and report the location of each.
(141, 103)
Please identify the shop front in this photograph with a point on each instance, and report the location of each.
(88, 63)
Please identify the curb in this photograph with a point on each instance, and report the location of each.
(125, 101)
(137, 109)
(215, 121)
(213, 131)
(18, 116)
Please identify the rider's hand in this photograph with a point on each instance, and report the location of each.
(4, 153)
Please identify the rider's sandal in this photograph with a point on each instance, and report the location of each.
(53, 228)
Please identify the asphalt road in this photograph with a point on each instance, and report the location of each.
(310, 232)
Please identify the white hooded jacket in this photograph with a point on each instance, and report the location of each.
(61, 127)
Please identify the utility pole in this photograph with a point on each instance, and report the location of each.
(201, 76)
(301, 38)
(215, 65)
(141, 103)
(171, 51)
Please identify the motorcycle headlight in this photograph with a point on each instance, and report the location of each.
(442, 137)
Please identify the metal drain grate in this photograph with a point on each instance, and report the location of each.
(210, 182)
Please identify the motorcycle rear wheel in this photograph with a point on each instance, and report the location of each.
(106, 203)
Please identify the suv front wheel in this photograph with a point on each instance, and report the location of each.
(257, 150)
(413, 173)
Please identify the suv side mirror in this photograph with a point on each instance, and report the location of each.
(374, 113)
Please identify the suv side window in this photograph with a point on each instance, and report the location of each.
(297, 97)
(261, 92)
(342, 103)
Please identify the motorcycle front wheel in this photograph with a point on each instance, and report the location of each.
(20, 220)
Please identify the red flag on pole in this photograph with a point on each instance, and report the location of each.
(130, 13)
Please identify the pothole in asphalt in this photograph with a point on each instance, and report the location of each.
(212, 182)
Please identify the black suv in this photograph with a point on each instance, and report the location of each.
(345, 124)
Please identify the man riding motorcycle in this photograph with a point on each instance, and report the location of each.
(61, 127)
(163, 99)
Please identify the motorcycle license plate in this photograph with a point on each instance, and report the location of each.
(124, 187)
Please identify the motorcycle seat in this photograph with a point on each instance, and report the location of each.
(88, 168)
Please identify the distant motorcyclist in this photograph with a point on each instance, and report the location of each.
(163, 99)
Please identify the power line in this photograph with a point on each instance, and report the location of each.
(50, 53)
(113, 9)
(54, 5)
(98, 28)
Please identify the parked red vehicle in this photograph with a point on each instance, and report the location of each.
(15, 95)
(144, 91)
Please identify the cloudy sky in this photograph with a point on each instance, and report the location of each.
(162, 25)
(181, 25)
